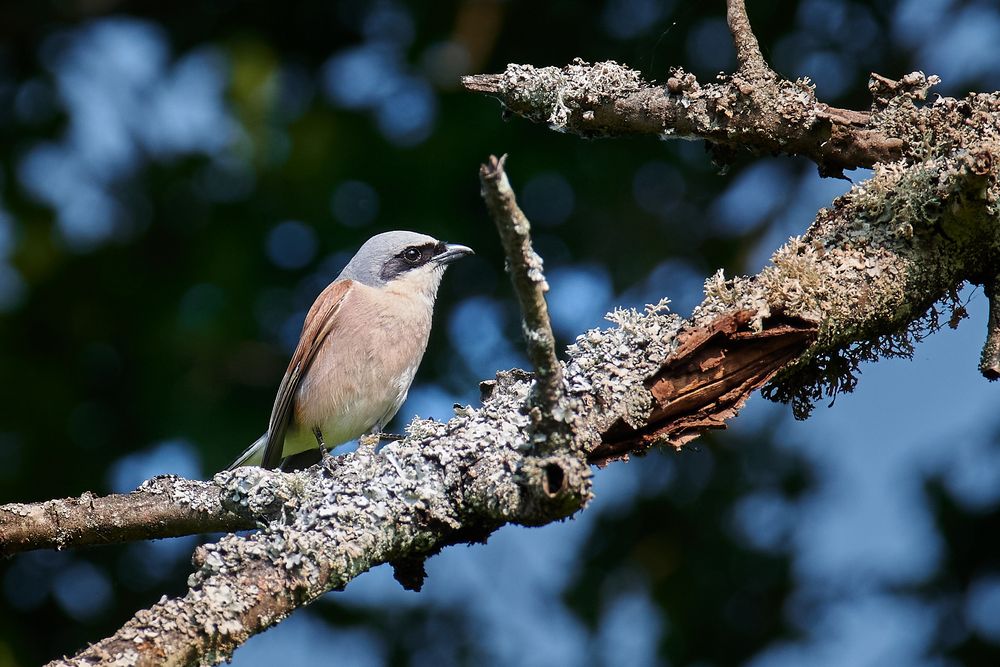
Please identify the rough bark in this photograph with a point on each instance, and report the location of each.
(752, 111)
(444, 483)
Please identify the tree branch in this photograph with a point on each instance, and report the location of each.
(525, 268)
(164, 506)
(846, 291)
(442, 484)
(753, 110)
(762, 116)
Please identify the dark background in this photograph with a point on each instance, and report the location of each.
(179, 180)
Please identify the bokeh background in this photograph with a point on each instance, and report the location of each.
(179, 180)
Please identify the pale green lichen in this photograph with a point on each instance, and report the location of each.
(874, 270)
(608, 368)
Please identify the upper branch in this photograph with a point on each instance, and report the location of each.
(752, 110)
(761, 115)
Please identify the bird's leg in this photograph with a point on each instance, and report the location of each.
(319, 440)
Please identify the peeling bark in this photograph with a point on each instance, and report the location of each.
(707, 380)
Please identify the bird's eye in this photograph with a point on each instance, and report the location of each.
(411, 255)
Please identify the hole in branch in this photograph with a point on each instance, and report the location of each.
(555, 479)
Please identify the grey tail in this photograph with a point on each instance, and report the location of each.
(252, 455)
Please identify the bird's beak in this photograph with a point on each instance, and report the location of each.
(453, 252)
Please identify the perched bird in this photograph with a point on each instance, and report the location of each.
(360, 346)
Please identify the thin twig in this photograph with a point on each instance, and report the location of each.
(747, 49)
(989, 362)
(525, 268)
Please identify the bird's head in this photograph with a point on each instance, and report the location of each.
(403, 260)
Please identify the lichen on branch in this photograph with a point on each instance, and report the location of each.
(871, 269)
(762, 115)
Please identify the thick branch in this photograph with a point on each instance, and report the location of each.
(162, 507)
(525, 268)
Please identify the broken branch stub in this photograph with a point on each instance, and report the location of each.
(989, 362)
(748, 53)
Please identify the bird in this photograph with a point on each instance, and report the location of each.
(361, 343)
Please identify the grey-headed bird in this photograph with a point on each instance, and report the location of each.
(360, 346)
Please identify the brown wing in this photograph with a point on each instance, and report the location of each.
(318, 323)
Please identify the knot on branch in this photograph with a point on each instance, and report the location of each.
(682, 82)
(980, 160)
(553, 487)
(503, 381)
(410, 572)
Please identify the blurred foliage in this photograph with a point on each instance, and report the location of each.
(178, 181)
